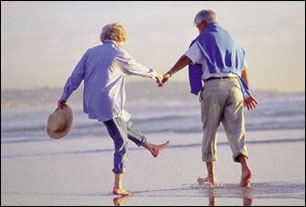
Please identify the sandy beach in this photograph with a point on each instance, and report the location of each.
(78, 172)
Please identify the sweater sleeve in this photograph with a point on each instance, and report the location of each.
(75, 78)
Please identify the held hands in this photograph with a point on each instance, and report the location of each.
(160, 80)
(166, 77)
(250, 102)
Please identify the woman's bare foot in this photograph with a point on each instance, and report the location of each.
(120, 191)
(246, 178)
(202, 181)
(156, 149)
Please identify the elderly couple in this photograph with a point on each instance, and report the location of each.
(214, 58)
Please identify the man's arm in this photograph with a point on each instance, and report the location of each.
(250, 101)
(180, 64)
(245, 76)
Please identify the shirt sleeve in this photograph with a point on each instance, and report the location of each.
(194, 54)
(75, 78)
(130, 66)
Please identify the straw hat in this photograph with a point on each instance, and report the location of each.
(59, 122)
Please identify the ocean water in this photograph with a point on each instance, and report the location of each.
(178, 115)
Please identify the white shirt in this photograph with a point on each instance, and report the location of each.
(103, 69)
(196, 56)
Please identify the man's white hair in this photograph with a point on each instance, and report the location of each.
(207, 15)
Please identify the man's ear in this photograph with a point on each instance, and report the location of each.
(205, 23)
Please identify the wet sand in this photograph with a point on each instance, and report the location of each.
(78, 172)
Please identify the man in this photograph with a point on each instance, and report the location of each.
(103, 69)
(222, 67)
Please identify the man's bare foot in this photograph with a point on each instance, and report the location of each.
(158, 148)
(120, 191)
(246, 178)
(202, 181)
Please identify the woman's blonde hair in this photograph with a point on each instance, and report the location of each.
(115, 31)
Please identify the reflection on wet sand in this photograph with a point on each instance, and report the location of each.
(119, 201)
(212, 193)
(245, 194)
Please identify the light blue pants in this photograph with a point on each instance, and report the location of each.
(120, 131)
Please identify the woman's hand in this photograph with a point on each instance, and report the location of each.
(61, 103)
(159, 79)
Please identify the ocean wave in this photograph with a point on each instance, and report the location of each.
(284, 112)
(94, 151)
(168, 123)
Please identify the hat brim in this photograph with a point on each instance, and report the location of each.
(69, 117)
(57, 135)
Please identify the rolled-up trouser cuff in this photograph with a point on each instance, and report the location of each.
(209, 159)
(118, 171)
(236, 158)
(138, 142)
(134, 134)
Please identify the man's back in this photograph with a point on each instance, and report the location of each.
(222, 53)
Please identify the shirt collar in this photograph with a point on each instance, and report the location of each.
(107, 41)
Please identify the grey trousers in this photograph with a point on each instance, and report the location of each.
(222, 101)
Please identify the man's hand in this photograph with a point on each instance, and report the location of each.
(250, 102)
(61, 103)
(166, 77)
(159, 79)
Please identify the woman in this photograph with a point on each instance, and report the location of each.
(103, 69)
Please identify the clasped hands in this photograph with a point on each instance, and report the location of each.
(160, 80)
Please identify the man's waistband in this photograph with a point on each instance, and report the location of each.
(220, 78)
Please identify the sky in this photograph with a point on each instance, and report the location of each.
(41, 42)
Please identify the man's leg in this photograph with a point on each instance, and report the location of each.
(139, 139)
(210, 175)
(246, 173)
(233, 122)
(212, 103)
